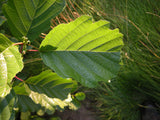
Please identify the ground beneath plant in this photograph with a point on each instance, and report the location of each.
(85, 112)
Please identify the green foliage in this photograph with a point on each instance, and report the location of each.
(84, 51)
(31, 17)
(10, 63)
(139, 78)
(80, 96)
(46, 89)
(50, 84)
(6, 105)
(2, 20)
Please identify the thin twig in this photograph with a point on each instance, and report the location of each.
(19, 78)
(19, 43)
(21, 49)
(33, 47)
(74, 7)
(64, 18)
(32, 60)
(70, 19)
(32, 50)
(58, 20)
(153, 14)
(70, 11)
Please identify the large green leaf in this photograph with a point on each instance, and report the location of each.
(31, 17)
(7, 106)
(10, 64)
(85, 51)
(50, 84)
(36, 102)
(44, 92)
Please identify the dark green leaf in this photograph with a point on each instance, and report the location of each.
(42, 93)
(85, 51)
(31, 17)
(50, 84)
(25, 103)
(6, 107)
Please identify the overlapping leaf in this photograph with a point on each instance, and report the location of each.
(25, 103)
(7, 107)
(50, 84)
(85, 51)
(44, 91)
(10, 64)
(31, 17)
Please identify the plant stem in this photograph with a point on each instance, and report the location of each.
(33, 50)
(19, 43)
(18, 78)
(21, 49)
(33, 47)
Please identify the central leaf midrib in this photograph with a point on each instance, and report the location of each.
(36, 7)
(70, 32)
(35, 17)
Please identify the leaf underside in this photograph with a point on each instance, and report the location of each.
(85, 51)
(31, 17)
(10, 64)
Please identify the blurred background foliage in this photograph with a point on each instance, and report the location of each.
(139, 78)
(138, 82)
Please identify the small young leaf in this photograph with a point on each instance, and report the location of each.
(10, 64)
(80, 96)
(85, 51)
(31, 17)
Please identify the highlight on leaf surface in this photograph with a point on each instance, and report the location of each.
(10, 64)
(45, 92)
(84, 50)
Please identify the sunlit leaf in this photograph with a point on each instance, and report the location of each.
(50, 84)
(84, 50)
(10, 64)
(44, 92)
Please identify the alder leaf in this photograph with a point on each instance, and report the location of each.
(50, 84)
(47, 90)
(31, 17)
(10, 64)
(84, 50)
